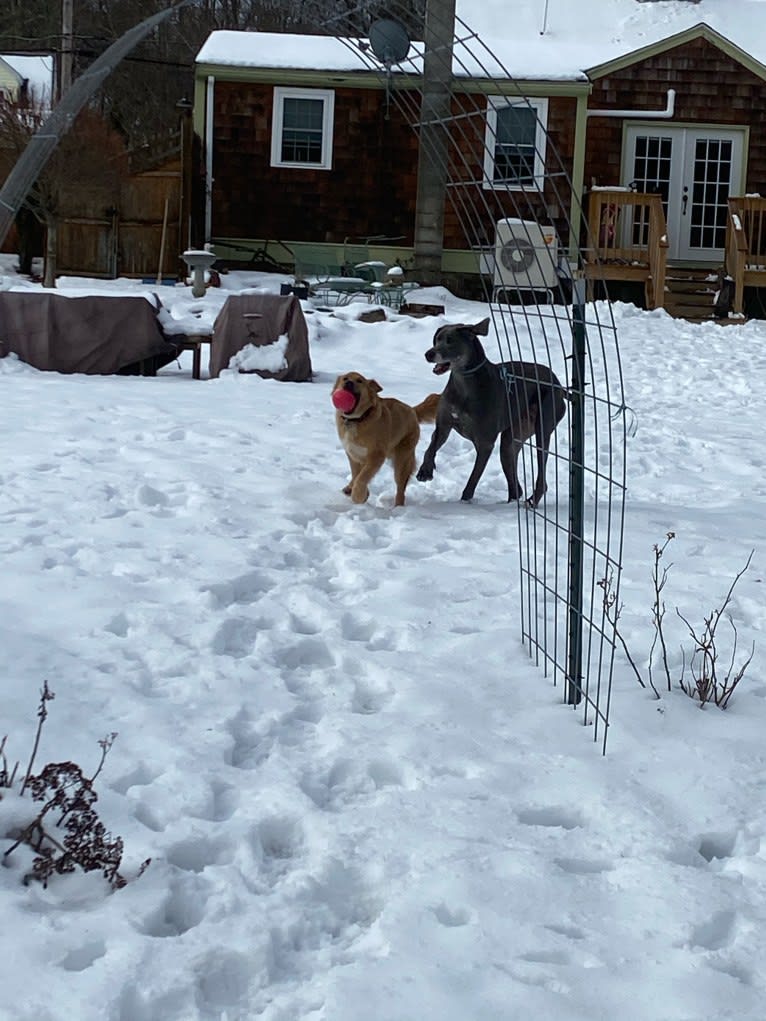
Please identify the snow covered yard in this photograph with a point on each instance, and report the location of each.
(359, 797)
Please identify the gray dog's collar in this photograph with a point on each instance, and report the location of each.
(468, 372)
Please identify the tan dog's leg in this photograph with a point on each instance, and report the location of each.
(367, 471)
(404, 467)
(403, 470)
(356, 467)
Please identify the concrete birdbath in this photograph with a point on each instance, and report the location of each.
(198, 260)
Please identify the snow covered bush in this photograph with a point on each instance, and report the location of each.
(709, 681)
(52, 813)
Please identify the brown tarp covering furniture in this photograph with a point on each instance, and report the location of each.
(270, 316)
(95, 334)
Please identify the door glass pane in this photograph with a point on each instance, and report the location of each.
(710, 187)
(651, 173)
(302, 130)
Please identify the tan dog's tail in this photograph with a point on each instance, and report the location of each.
(426, 410)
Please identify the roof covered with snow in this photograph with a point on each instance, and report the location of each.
(526, 39)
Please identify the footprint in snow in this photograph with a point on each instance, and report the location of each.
(582, 866)
(249, 747)
(140, 776)
(717, 933)
(83, 957)
(308, 653)
(220, 804)
(224, 979)
(242, 590)
(183, 908)
(370, 697)
(553, 816)
(451, 918)
(347, 781)
(354, 628)
(195, 853)
(236, 637)
(278, 840)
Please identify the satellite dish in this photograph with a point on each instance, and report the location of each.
(389, 41)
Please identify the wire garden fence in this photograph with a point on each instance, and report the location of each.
(511, 194)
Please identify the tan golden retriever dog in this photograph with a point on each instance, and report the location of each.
(375, 429)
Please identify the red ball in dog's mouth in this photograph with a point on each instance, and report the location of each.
(343, 400)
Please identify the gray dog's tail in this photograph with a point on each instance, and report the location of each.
(426, 410)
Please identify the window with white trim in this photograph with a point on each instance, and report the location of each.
(515, 141)
(301, 133)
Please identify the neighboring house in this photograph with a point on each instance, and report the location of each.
(303, 142)
(10, 82)
(23, 77)
(25, 74)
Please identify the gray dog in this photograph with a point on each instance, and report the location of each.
(483, 399)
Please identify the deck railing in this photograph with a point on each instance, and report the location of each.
(746, 245)
(627, 240)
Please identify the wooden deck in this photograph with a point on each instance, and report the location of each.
(627, 240)
(746, 246)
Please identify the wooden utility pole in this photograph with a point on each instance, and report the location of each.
(66, 49)
(435, 111)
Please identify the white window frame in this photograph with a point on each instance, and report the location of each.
(327, 96)
(540, 106)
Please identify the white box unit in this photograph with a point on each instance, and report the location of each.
(526, 256)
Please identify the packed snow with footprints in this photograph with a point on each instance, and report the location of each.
(360, 796)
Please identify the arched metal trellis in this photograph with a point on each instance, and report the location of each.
(514, 204)
(508, 201)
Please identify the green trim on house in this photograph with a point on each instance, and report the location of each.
(702, 31)
(464, 261)
(241, 249)
(368, 79)
(362, 79)
(522, 88)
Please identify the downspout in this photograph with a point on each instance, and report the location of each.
(209, 99)
(576, 214)
(641, 114)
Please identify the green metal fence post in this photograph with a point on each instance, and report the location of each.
(574, 678)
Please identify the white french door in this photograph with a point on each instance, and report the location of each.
(695, 169)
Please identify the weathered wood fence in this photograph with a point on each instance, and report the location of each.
(127, 240)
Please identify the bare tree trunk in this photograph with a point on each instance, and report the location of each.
(30, 237)
(51, 239)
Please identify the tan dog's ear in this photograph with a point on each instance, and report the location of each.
(375, 385)
(481, 328)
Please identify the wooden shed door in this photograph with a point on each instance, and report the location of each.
(695, 170)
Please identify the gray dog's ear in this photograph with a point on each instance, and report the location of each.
(481, 328)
